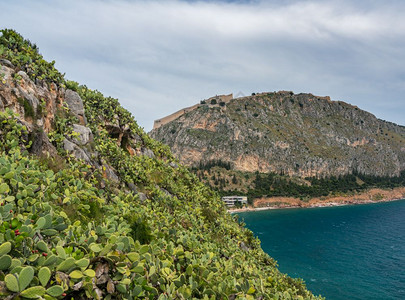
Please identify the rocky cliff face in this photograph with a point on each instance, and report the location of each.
(43, 107)
(39, 104)
(299, 135)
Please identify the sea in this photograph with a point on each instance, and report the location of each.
(344, 252)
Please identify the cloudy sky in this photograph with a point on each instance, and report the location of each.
(160, 56)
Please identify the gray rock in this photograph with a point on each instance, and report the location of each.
(147, 152)
(132, 187)
(6, 63)
(85, 137)
(32, 100)
(166, 192)
(76, 151)
(24, 76)
(142, 197)
(75, 104)
(244, 247)
(42, 146)
(110, 173)
(173, 165)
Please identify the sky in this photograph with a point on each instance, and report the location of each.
(157, 57)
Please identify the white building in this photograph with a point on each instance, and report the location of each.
(232, 200)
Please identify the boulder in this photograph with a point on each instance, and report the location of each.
(147, 152)
(110, 173)
(132, 187)
(85, 135)
(142, 197)
(173, 165)
(76, 151)
(6, 63)
(41, 145)
(75, 104)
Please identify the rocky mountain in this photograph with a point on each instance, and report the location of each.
(92, 208)
(298, 135)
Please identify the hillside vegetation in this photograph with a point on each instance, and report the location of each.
(257, 185)
(92, 207)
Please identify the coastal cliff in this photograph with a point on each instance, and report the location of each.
(297, 135)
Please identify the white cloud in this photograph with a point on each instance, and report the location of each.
(159, 56)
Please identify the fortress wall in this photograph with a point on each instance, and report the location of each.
(163, 121)
(173, 116)
(223, 98)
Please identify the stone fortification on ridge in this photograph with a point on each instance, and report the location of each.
(213, 101)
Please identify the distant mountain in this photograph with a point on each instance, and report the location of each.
(298, 135)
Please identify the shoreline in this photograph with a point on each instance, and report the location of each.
(368, 197)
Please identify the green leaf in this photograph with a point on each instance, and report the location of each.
(48, 221)
(55, 291)
(5, 262)
(25, 277)
(133, 256)
(33, 292)
(83, 263)
(4, 188)
(96, 248)
(5, 248)
(137, 290)
(66, 265)
(9, 198)
(143, 249)
(251, 290)
(189, 270)
(9, 175)
(50, 260)
(41, 245)
(49, 232)
(12, 283)
(152, 270)
(44, 275)
(63, 214)
(15, 263)
(61, 252)
(137, 269)
(90, 273)
(121, 288)
(76, 274)
(41, 222)
(3, 170)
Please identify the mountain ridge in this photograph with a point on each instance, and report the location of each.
(299, 135)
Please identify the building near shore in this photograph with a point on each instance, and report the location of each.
(234, 200)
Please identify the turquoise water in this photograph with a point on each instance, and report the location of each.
(347, 252)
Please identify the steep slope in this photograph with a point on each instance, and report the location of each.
(297, 135)
(92, 207)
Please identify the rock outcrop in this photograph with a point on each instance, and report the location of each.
(299, 135)
(38, 104)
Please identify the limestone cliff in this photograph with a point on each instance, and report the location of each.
(299, 135)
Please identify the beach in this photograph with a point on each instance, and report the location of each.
(370, 196)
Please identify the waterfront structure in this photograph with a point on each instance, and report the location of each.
(233, 200)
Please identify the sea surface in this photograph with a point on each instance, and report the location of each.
(346, 252)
